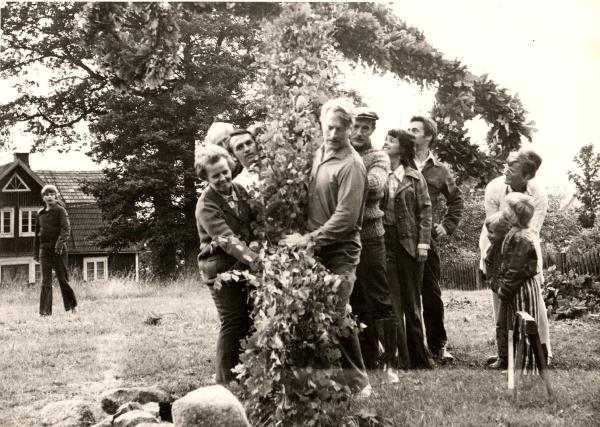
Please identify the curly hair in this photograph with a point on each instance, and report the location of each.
(209, 155)
(520, 209)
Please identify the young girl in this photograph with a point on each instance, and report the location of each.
(519, 279)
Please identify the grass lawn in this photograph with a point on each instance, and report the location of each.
(107, 345)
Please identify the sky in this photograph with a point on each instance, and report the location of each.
(546, 52)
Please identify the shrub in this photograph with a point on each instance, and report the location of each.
(569, 295)
(289, 366)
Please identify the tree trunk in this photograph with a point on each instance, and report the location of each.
(191, 240)
(164, 251)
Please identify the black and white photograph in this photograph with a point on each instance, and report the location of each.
(273, 214)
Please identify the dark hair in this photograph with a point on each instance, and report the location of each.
(530, 161)
(429, 127)
(407, 144)
(241, 132)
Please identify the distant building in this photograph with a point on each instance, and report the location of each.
(20, 201)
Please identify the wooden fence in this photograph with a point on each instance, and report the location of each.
(463, 274)
(587, 263)
(460, 275)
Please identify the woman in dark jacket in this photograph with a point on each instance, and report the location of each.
(223, 219)
(407, 224)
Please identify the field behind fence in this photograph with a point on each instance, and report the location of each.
(463, 274)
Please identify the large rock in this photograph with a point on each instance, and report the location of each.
(134, 418)
(209, 406)
(152, 408)
(106, 422)
(68, 413)
(111, 400)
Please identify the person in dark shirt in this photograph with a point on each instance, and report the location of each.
(440, 183)
(50, 249)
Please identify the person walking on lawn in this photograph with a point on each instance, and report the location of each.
(439, 183)
(52, 231)
(370, 299)
(335, 207)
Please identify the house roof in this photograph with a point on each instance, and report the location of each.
(6, 168)
(69, 184)
(84, 214)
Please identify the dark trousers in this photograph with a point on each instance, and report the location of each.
(501, 314)
(342, 258)
(50, 260)
(433, 306)
(404, 278)
(231, 301)
(370, 299)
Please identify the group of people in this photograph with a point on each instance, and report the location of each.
(371, 220)
(374, 219)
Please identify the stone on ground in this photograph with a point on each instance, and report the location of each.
(209, 406)
(111, 400)
(152, 408)
(134, 418)
(68, 413)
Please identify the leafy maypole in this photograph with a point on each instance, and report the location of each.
(288, 367)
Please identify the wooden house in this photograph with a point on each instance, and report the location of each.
(20, 201)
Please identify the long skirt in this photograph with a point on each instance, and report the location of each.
(529, 299)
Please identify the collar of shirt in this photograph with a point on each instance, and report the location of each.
(397, 176)
(420, 165)
(232, 200)
(337, 154)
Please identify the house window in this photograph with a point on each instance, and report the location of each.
(15, 184)
(95, 268)
(7, 222)
(27, 219)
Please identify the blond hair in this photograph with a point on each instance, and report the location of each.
(520, 209)
(209, 155)
(342, 106)
(498, 221)
(49, 188)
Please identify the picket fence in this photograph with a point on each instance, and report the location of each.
(460, 275)
(463, 274)
(587, 263)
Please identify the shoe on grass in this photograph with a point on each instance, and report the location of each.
(74, 310)
(500, 364)
(491, 359)
(444, 356)
(365, 393)
(391, 377)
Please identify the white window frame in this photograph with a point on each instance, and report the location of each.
(20, 261)
(31, 211)
(8, 190)
(3, 213)
(95, 260)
